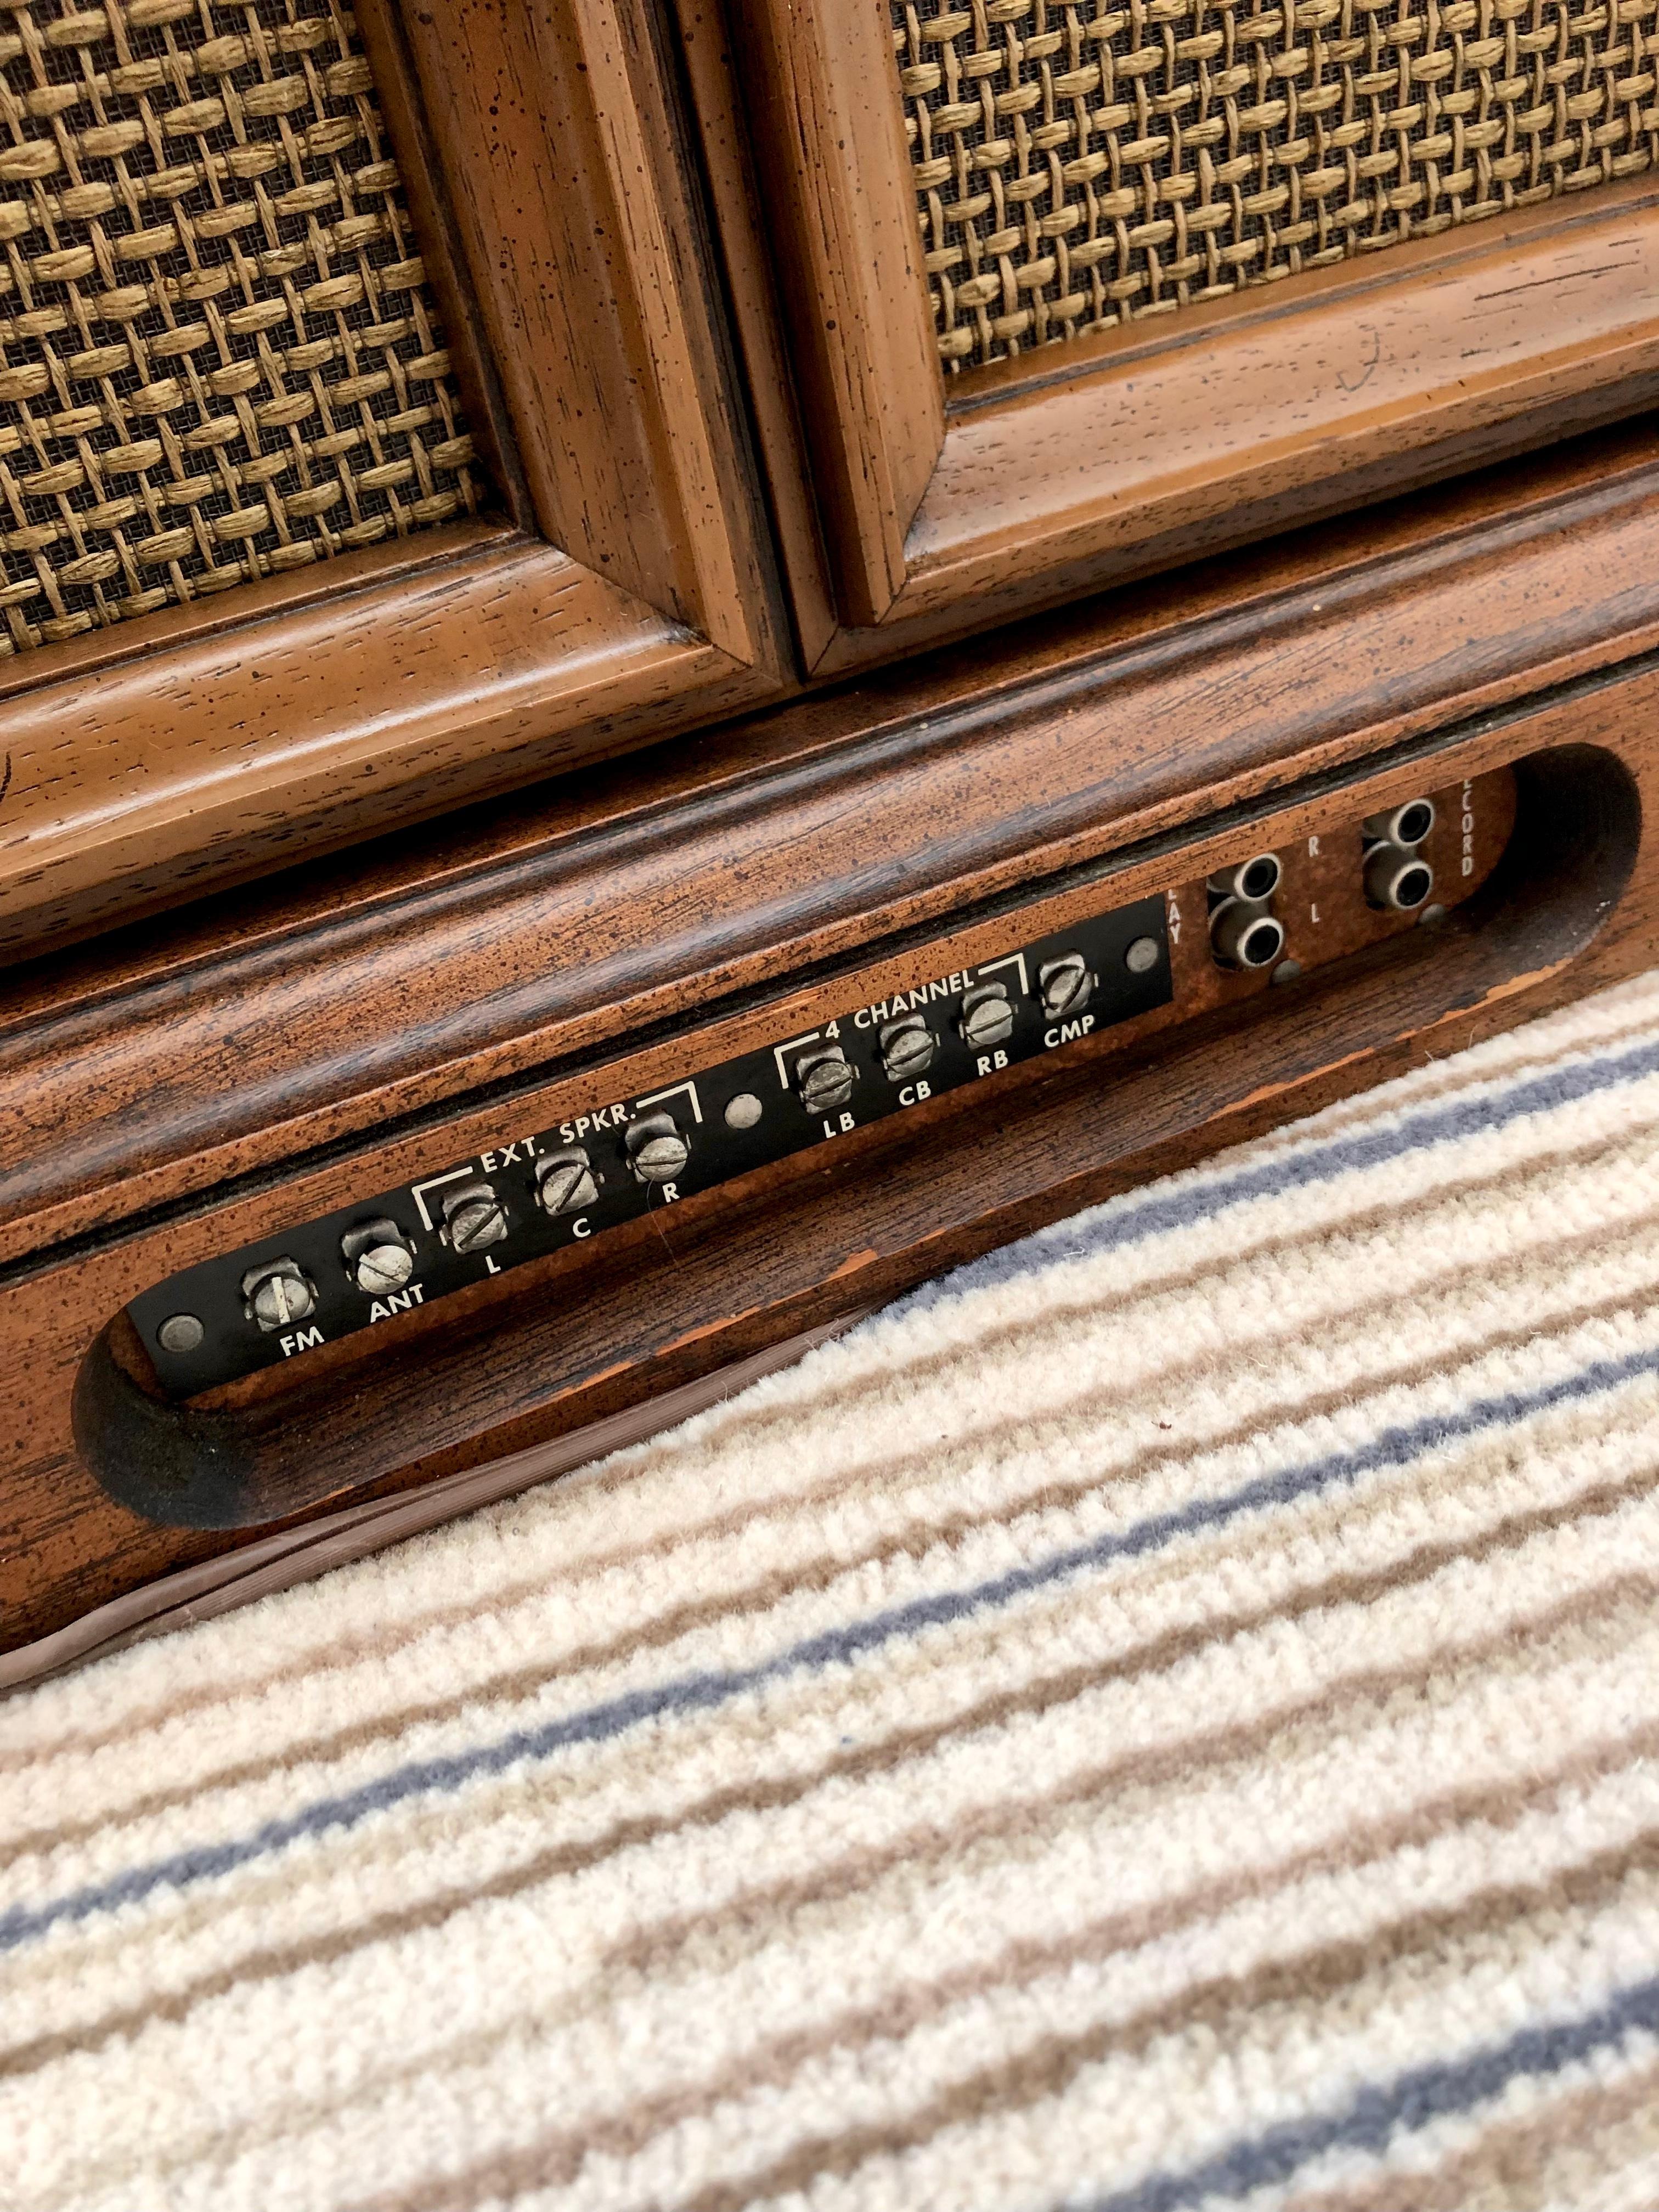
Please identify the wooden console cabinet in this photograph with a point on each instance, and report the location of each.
(546, 548)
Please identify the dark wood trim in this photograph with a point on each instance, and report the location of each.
(1350, 282)
(714, 102)
(268, 598)
(597, 1333)
(846, 244)
(551, 127)
(1400, 375)
(1320, 901)
(722, 863)
(403, 107)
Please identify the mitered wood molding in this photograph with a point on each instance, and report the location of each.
(1411, 366)
(848, 260)
(740, 242)
(132, 787)
(1124, 452)
(210, 742)
(552, 129)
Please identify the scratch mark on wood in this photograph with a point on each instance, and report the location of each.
(1561, 277)
(1369, 369)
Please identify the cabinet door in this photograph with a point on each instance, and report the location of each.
(367, 437)
(1076, 289)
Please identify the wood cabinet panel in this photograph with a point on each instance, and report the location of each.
(1271, 407)
(552, 127)
(622, 587)
(1124, 452)
(723, 864)
(789, 838)
(838, 198)
(587, 1336)
(382, 705)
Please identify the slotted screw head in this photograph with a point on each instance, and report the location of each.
(1067, 986)
(475, 1219)
(987, 1020)
(567, 1186)
(280, 1296)
(660, 1158)
(384, 1267)
(908, 1049)
(826, 1084)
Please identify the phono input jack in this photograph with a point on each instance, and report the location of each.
(1243, 935)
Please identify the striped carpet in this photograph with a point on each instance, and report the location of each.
(1163, 1718)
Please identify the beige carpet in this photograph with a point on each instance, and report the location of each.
(1165, 1718)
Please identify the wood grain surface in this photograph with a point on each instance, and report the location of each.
(1378, 376)
(226, 1460)
(662, 1303)
(840, 214)
(385, 704)
(381, 987)
(742, 249)
(621, 282)
(551, 126)
(647, 307)
(295, 716)
(1122, 453)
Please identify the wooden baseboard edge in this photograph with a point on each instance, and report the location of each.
(293, 1555)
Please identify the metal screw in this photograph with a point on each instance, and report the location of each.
(278, 1294)
(1288, 971)
(907, 1049)
(473, 1218)
(826, 1082)
(743, 1112)
(566, 1182)
(1142, 956)
(384, 1267)
(378, 1256)
(1067, 985)
(986, 1017)
(661, 1157)
(180, 1333)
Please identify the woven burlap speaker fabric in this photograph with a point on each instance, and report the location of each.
(1080, 162)
(218, 358)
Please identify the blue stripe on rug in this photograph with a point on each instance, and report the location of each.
(1377, 2114)
(1394, 1446)
(1119, 1223)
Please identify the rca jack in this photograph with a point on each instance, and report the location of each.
(1398, 878)
(1243, 938)
(1244, 931)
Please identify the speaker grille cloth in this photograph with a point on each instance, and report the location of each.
(1079, 164)
(220, 359)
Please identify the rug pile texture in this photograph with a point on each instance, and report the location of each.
(1166, 1717)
